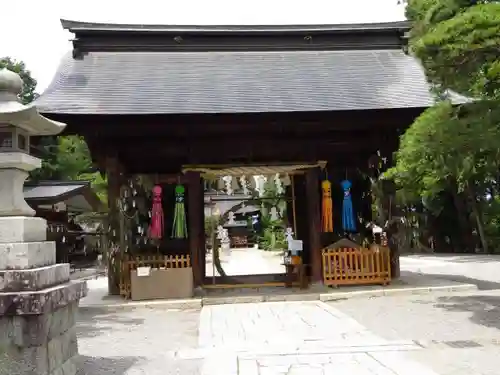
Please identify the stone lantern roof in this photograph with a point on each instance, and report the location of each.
(26, 117)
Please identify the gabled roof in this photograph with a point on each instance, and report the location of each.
(236, 82)
(77, 195)
(129, 69)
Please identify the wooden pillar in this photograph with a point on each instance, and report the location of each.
(313, 198)
(196, 228)
(114, 176)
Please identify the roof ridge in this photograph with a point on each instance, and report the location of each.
(96, 26)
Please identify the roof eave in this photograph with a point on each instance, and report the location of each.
(78, 26)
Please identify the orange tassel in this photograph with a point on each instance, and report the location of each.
(327, 207)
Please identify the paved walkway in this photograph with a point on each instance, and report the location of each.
(481, 269)
(294, 338)
(247, 261)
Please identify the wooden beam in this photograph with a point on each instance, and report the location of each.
(163, 165)
(231, 151)
(376, 120)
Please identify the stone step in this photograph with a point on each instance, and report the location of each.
(34, 279)
(42, 301)
(23, 255)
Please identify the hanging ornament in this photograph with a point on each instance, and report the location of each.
(348, 223)
(260, 183)
(289, 234)
(227, 184)
(179, 226)
(279, 184)
(327, 207)
(253, 183)
(244, 185)
(234, 184)
(287, 181)
(220, 183)
(230, 217)
(220, 232)
(274, 214)
(157, 220)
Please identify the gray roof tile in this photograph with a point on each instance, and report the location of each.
(235, 82)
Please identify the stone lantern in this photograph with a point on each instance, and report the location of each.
(38, 302)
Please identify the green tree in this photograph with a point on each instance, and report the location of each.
(64, 157)
(454, 149)
(29, 83)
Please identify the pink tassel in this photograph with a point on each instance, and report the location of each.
(156, 226)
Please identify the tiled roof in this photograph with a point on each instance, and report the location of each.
(47, 191)
(235, 82)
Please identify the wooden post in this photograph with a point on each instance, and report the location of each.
(113, 173)
(196, 227)
(313, 198)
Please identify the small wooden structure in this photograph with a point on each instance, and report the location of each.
(153, 100)
(74, 197)
(356, 266)
(180, 264)
(57, 201)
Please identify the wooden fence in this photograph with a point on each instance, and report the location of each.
(154, 261)
(349, 266)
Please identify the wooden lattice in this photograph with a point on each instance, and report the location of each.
(348, 266)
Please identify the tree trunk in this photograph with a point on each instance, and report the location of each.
(479, 218)
(465, 235)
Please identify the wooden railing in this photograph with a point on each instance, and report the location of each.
(154, 261)
(349, 266)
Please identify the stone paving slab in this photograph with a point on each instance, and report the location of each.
(295, 338)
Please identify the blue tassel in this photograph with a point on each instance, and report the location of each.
(348, 223)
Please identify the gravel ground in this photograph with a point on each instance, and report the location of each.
(460, 332)
(138, 341)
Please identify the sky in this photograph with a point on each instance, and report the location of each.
(31, 31)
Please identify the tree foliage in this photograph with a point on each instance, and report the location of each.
(65, 157)
(459, 45)
(453, 149)
(29, 83)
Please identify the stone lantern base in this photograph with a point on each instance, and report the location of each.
(38, 302)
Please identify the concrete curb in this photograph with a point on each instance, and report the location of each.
(176, 304)
(198, 303)
(397, 292)
(89, 277)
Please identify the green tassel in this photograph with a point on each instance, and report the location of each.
(179, 227)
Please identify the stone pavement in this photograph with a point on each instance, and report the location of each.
(294, 338)
(478, 269)
(247, 261)
(136, 342)
(459, 332)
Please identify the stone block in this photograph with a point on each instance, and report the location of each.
(36, 330)
(49, 358)
(42, 301)
(27, 361)
(67, 368)
(14, 256)
(22, 229)
(33, 279)
(62, 348)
